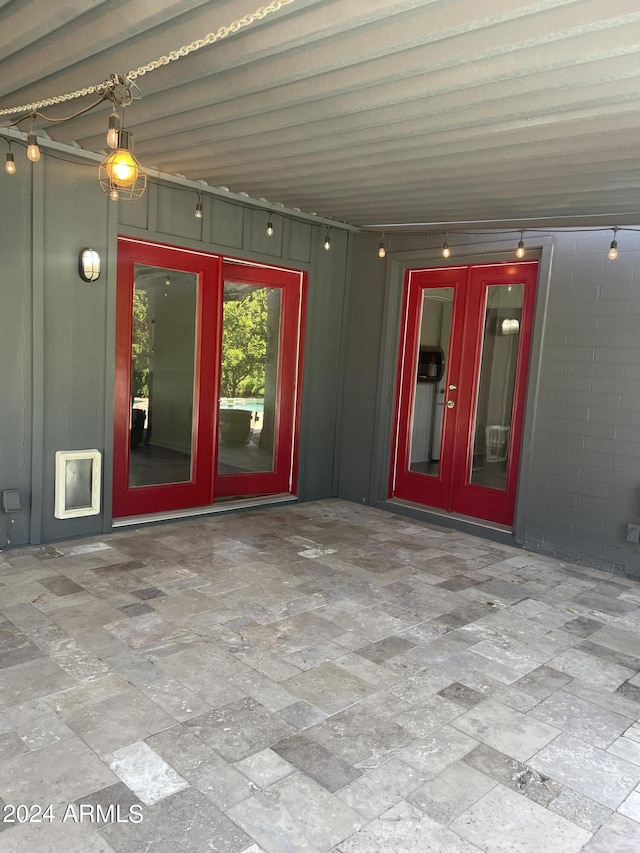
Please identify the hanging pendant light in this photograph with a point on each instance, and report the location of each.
(520, 250)
(120, 174)
(613, 249)
(382, 252)
(446, 251)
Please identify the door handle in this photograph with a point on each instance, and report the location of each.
(450, 404)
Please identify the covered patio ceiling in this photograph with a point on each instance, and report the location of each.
(373, 112)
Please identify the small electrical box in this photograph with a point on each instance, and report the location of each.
(11, 500)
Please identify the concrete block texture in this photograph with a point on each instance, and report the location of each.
(606, 485)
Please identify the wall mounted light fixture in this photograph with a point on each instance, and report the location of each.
(89, 265)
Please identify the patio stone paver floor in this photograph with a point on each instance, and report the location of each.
(315, 677)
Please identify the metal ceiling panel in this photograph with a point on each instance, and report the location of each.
(367, 111)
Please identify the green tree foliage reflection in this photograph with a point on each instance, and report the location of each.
(141, 344)
(244, 344)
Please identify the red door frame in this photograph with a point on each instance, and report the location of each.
(197, 491)
(200, 491)
(411, 484)
(282, 478)
(469, 498)
(451, 489)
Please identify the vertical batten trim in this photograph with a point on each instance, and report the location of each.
(38, 343)
(109, 375)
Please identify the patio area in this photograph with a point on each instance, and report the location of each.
(317, 677)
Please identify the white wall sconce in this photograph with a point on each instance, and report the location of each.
(89, 265)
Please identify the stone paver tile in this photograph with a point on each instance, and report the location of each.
(582, 719)
(631, 806)
(58, 773)
(451, 792)
(329, 687)
(619, 834)
(590, 771)
(505, 729)
(581, 810)
(380, 789)
(70, 836)
(504, 821)
(296, 814)
(145, 773)
(265, 767)
(186, 821)
(405, 828)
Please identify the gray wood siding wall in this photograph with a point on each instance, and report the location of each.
(58, 332)
(16, 336)
(166, 214)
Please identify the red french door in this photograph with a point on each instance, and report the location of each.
(167, 317)
(462, 372)
(260, 373)
(207, 384)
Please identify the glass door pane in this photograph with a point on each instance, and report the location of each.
(163, 357)
(430, 381)
(496, 386)
(249, 378)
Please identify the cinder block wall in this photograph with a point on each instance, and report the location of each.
(586, 474)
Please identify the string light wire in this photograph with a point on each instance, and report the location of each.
(497, 232)
(108, 85)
